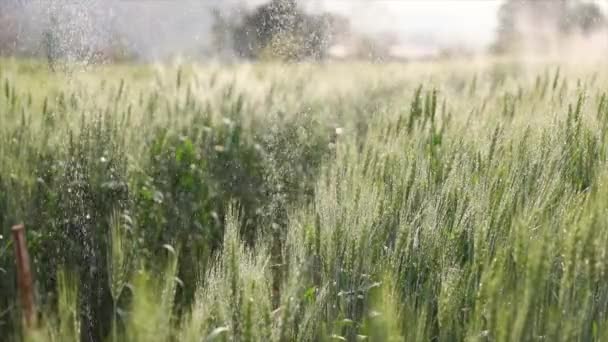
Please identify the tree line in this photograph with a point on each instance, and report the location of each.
(283, 29)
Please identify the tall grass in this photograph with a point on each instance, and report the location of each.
(307, 202)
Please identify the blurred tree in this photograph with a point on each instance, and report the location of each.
(519, 20)
(51, 44)
(280, 29)
(588, 17)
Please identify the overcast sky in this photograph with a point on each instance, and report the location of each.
(472, 22)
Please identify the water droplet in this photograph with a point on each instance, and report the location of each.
(158, 197)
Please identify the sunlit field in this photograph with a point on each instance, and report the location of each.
(307, 202)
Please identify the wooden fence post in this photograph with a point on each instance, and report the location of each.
(24, 276)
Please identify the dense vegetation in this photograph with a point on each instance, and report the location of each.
(307, 202)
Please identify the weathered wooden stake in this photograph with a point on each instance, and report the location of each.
(24, 276)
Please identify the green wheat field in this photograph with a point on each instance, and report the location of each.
(307, 202)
